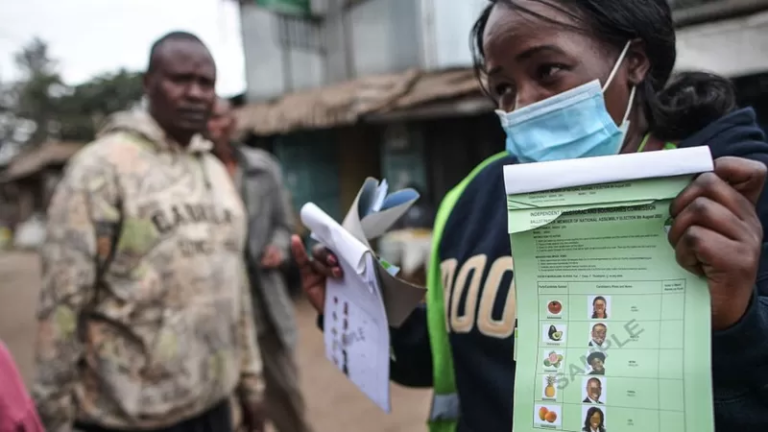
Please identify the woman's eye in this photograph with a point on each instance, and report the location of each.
(502, 90)
(547, 71)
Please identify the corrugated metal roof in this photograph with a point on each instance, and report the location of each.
(692, 12)
(346, 103)
(34, 160)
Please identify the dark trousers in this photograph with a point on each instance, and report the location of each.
(216, 419)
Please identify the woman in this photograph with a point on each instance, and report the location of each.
(599, 308)
(529, 51)
(596, 361)
(594, 421)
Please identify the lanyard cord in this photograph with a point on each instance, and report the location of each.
(667, 145)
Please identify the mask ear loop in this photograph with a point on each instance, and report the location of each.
(630, 104)
(615, 70)
(624, 126)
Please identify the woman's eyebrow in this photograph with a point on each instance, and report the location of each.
(530, 52)
(527, 54)
(494, 70)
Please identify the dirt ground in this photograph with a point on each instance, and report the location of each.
(335, 405)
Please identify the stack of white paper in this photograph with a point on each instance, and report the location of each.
(362, 306)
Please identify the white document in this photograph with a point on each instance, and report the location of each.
(355, 321)
(544, 176)
(333, 236)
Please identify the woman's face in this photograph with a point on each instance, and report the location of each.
(529, 59)
(595, 420)
(600, 307)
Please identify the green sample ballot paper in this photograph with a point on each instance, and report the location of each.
(614, 336)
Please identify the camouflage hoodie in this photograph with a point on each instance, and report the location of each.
(158, 328)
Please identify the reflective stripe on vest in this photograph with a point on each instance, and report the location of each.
(444, 414)
(445, 407)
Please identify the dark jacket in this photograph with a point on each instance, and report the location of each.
(740, 354)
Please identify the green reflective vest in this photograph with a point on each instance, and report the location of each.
(444, 413)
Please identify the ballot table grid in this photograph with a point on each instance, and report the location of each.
(625, 337)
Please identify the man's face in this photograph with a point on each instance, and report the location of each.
(222, 123)
(598, 334)
(181, 88)
(594, 389)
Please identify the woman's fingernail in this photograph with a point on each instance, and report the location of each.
(332, 260)
(336, 273)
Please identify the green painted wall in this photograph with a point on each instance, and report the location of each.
(311, 169)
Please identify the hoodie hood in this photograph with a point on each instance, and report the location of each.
(736, 134)
(140, 122)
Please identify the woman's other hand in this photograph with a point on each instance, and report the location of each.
(717, 234)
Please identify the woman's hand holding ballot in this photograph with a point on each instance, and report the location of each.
(717, 234)
(315, 270)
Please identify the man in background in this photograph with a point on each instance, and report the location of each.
(145, 318)
(258, 177)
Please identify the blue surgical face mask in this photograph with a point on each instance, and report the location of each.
(570, 125)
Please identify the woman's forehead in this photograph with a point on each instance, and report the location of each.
(511, 29)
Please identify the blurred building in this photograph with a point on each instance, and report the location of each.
(730, 38)
(344, 89)
(28, 181)
(348, 89)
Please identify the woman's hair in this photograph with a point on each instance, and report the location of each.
(674, 109)
(590, 413)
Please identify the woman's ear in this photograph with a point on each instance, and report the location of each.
(638, 63)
